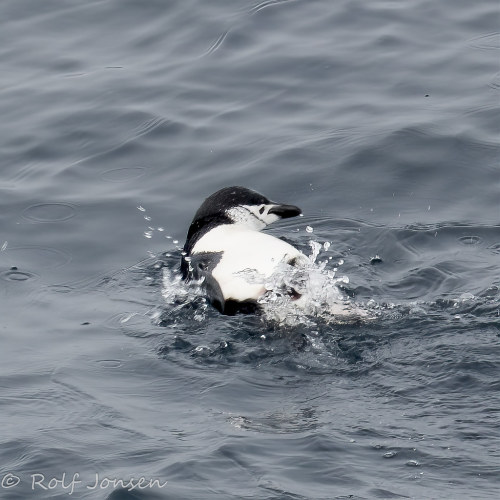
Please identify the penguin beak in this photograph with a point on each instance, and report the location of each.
(285, 211)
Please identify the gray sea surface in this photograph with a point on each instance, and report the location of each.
(380, 119)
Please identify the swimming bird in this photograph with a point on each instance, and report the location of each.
(226, 250)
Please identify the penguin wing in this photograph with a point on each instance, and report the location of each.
(201, 267)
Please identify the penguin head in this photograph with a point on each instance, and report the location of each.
(239, 205)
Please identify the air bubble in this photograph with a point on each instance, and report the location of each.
(412, 463)
(466, 296)
(202, 348)
(470, 240)
(16, 276)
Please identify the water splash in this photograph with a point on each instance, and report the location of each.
(300, 294)
(181, 297)
(304, 294)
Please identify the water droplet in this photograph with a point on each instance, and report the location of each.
(142, 209)
(326, 245)
(147, 217)
(389, 454)
(309, 229)
(4, 246)
(175, 242)
(161, 229)
(148, 234)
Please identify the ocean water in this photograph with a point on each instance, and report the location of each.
(380, 119)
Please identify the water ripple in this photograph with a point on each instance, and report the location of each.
(217, 43)
(37, 256)
(123, 174)
(489, 41)
(266, 4)
(50, 212)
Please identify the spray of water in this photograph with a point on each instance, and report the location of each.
(299, 294)
(303, 293)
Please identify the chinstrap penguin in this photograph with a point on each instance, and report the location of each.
(225, 248)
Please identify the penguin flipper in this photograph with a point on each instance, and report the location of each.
(201, 266)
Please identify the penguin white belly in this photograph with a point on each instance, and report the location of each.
(248, 258)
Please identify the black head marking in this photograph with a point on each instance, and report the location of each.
(212, 211)
(227, 198)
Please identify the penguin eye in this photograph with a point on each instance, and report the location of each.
(261, 209)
